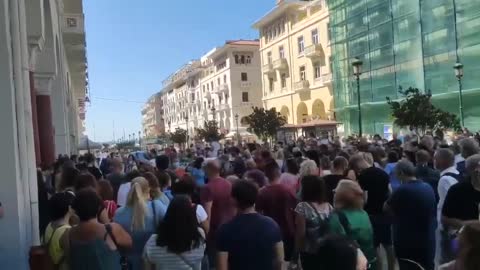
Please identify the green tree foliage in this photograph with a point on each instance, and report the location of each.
(416, 111)
(265, 123)
(179, 136)
(209, 132)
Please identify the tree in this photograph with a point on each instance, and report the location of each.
(265, 123)
(179, 136)
(209, 132)
(417, 112)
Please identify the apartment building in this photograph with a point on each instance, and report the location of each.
(152, 117)
(295, 54)
(222, 85)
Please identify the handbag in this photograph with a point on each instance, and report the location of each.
(124, 264)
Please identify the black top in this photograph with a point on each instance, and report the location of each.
(331, 182)
(462, 202)
(375, 182)
(95, 172)
(116, 179)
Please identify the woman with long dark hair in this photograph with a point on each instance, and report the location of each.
(468, 256)
(179, 242)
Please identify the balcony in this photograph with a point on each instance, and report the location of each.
(280, 64)
(222, 88)
(327, 79)
(314, 51)
(73, 24)
(245, 84)
(207, 95)
(268, 69)
(223, 106)
(301, 86)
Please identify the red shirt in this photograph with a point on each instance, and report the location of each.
(218, 191)
(278, 202)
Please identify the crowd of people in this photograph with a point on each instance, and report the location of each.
(314, 204)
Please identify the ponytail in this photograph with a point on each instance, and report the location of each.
(137, 201)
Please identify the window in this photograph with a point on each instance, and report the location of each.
(283, 78)
(242, 59)
(236, 59)
(270, 84)
(211, 84)
(316, 68)
(218, 81)
(244, 77)
(208, 87)
(269, 57)
(301, 45)
(314, 36)
(224, 78)
(281, 52)
(249, 59)
(302, 73)
(244, 96)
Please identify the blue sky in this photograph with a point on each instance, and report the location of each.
(133, 45)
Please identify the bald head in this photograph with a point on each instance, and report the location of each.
(212, 167)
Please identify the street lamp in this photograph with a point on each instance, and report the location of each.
(213, 113)
(139, 135)
(357, 71)
(458, 68)
(238, 134)
(186, 120)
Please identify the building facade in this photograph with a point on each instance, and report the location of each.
(404, 44)
(152, 117)
(295, 53)
(43, 89)
(224, 83)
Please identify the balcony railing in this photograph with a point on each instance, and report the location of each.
(280, 64)
(245, 84)
(268, 68)
(327, 78)
(73, 24)
(223, 106)
(301, 85)
(314, 51)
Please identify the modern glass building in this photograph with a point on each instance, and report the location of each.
(404, 43)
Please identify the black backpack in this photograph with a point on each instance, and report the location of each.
(459, 177)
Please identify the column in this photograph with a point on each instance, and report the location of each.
(43, 87)
(16, 232)
(36, 137)
(60, 115)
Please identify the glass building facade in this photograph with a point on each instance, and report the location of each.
(404, 43)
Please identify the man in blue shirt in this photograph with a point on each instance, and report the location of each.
(413, 206)
(250, 241)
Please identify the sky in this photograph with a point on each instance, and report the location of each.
(132, 46)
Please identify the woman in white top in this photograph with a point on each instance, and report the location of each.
(179, 243)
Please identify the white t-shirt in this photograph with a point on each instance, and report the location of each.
(123, 193)
(201, 214)
(444, 184)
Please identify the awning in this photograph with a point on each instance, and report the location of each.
(314, 123)
(232, 134)
(87, 144)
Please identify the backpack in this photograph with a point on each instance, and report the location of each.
(459, 177)
(39, 256)
(315, 235)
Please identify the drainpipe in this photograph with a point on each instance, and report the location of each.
(24, 116)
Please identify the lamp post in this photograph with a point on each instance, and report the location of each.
(139, 136)
(357, 71)
(213, 113)
(238, 134)
(458, 67)
(187, 137)
(169, 125)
